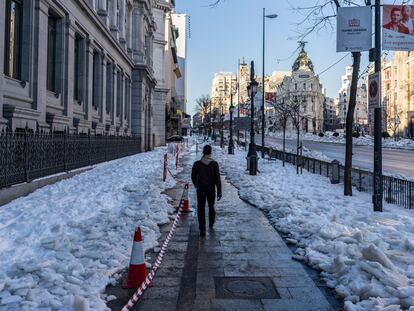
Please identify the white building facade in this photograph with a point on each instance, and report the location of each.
(361, 108)
(303, 86)
(222, 87)
(180, 21)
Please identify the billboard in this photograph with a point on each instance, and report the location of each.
(398, 28)
(354, 29)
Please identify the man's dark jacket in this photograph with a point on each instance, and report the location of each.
(206, 175)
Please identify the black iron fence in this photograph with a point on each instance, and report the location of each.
(26, 156)
(397, 191)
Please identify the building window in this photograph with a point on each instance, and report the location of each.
(96, 79)
(304, 86)
(108, 87)
(126, 100)
(78, 69)
(296, 86)
(13, 35)
(118, 94)
(51, 53)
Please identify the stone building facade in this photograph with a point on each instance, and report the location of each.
(222, 85)
(361, 108)
(330, 114)
(303, 86)
(398, 95)
(84, 66)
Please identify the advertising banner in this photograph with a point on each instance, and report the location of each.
(354, 29)
(398, 28)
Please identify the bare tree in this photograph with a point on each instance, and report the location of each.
(297, 103)
(282, 114)
(393, 118)
(316, 18)
(203, 106)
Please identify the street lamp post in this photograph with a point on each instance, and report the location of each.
(221, 127)
(252, 154)
(238, 103)
(263, 77)
(231, 143)
(210, 122)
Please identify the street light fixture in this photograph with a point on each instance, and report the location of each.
(252, 154)
(272, 16)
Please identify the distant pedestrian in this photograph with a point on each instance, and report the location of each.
(206, 178)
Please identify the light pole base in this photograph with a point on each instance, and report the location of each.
(252, 163)
(231, 146)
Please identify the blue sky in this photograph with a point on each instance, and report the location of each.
(232, 30)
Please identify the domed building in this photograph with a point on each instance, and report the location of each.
(303, 90)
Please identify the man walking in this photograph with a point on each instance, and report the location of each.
(206, 177)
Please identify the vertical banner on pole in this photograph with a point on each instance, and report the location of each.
(398, 27)
(354, 29)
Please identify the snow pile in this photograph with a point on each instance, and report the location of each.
(367, 257)
(366, 140)
(61, 245)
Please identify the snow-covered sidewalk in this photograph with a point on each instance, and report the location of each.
(367, 257)
(61, 245)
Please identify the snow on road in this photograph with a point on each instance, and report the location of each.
(367, 257)
(403, 143)
(61, 245)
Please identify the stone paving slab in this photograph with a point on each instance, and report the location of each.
(243, 244)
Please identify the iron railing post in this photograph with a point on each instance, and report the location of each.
(89, 147)
(106, 147)
(65, 152)
(26, 156)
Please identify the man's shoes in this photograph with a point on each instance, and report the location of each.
(202, 232)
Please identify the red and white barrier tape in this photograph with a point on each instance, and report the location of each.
(175, 178)
(140, 291)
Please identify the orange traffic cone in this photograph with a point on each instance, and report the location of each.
(137, 271)
(186, 205)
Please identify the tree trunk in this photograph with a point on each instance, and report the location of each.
(284, 143)
(297, 150)
(349, 123)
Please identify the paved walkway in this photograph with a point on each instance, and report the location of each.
(241, 264)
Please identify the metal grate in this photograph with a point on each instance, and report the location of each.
(245, 288)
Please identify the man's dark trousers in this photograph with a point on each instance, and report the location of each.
(202, 196)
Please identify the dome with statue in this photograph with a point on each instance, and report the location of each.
(303, 62)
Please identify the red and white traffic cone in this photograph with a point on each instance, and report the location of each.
(137, 271)
(186, 205)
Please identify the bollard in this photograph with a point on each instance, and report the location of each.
(164, 177)
(335, 172)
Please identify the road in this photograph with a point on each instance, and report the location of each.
(394, 161)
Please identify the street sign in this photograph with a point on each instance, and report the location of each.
(374, 90)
